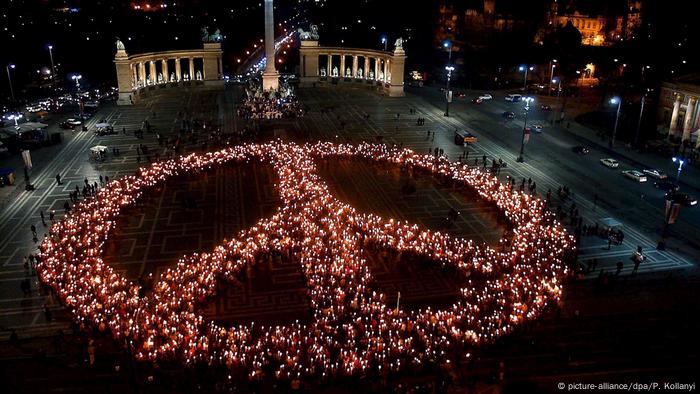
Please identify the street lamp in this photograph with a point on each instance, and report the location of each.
(77, 78)
(558, 82)
(53, 68)
(384, 40)
(639, 122)
(9, 79)
(525, 69)
(527, 101)
(552, 65)
(680, 168)
(618, 101)
(449, 68)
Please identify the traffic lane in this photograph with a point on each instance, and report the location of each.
(639, 202)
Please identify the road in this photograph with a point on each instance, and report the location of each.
(635, 204)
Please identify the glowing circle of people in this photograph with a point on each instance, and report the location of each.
(352, 331)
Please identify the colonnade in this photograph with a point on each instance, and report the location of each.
(688, 123)
(160, 68)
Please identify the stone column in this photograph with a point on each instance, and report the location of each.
(178, 69)
(342, 65)
(688, 121)
(221, 67)
(354, 66)
(152, 72)
(396, 65)
(125, 79)
(387, 70)
(270, 76)
(376, 68)
(673, 127)
(164, 69)
(142, 71)
(329, 64)
(191, 62)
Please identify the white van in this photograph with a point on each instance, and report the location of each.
(514, 97)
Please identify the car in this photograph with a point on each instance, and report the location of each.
(461, 95)
(681, 198)
(477, 101)
(655, 173)
(581, 150)
(70, 123)
(635, 175)
(485, 96)
(545, 107)
(666, 186)
(514, 97)
(464, 137)
(610, 163)
(509, 115)
(537, 127)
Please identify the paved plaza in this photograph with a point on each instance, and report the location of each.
(645, 314)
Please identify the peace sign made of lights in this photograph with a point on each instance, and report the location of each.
(352, 330)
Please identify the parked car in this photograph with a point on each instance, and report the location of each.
(682, 198)
(485, 96)
(461, 95)
(581, 150)
(666, 186)
(477, 101)
(655, 173)
(635, 175)
(509, 115)
(514, 97)
(537, 127)
(545, 107)
(463, 137)
(610, 163)
(70, 123)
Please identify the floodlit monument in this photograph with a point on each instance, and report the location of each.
(270, 76)
(141, 73)
(352, 66)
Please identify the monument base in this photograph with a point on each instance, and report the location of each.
(125, 98)
(396, 91)
(271, 81)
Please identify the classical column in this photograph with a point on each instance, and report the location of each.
(191, 60)
(221, 67)
(270, 76)
(178, 69)
(673, 127)
(164, 69)
(688, 121)
(142, 71)
(387, 70)
(328, 65)
(354, 66)
(376, 69)
(342, 65)
(152, 72)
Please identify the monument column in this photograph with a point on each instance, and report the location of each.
(396, 65)
(142, 73)
(178, 69)
(328, 65)
(376, 69)
(124, 75)
(191, 62)
(354, 66)
(387, 70)
(152, 72)
(673, 127)
(270, 75)
(164, 67)
(342, 65)
(688, 121)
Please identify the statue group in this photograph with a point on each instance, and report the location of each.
(206, 37)
(311, 35)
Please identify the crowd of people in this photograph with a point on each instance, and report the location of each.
(269, 106)
(353, 330)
